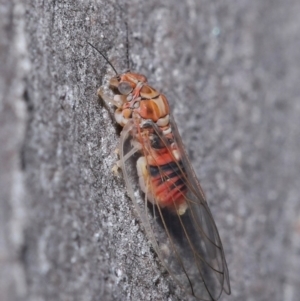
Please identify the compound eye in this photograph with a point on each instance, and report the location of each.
(124, 88)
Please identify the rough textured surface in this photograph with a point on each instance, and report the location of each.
(231, 70)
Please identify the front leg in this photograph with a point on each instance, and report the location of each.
(117, 100)
(116, 168)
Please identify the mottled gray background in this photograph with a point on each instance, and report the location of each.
(231, 70)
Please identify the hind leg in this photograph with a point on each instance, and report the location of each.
(144, 178)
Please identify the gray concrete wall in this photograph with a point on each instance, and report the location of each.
(231, 71)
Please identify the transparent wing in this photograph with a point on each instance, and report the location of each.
(188, 244)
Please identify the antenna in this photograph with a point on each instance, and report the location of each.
(110, 64)
(127, 45)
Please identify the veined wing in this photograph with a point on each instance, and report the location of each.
(187, 242)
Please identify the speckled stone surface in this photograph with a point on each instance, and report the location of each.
(230, 70)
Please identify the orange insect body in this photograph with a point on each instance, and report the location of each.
(142, 102)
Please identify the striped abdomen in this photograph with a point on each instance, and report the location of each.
(168, 183)
(163, 173)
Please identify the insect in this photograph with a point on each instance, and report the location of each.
(164, 189)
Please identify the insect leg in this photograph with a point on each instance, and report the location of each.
(141, 166)
(118, 165)
(116, 101)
